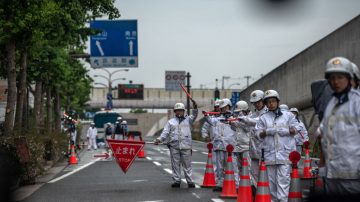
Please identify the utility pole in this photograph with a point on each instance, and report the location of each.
(188, 90)
(247, 80)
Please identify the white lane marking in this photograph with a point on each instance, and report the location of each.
(149, 142)
(74, 171)
(168, 170)
(139, 180)
(157, 163)
(198, 162)
(197, 196)
(148, 158)
(194, 150)
(204, 153)
(153, 201)
(217, 200)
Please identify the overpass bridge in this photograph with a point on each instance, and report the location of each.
(156, 98)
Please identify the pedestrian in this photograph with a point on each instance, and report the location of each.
(284, 107)
(302, 135)
(108, 134)
(277, 129)
(118, 132)
(339, 129)
(91, 136)
(224, 135)
(207, 130)
(124, 129)
(177, 134)
(355, 81)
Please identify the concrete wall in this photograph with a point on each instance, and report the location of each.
(145, 121)
(293, 78)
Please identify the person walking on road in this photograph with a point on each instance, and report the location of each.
(340, 131)
(277, 129)
(91, 136)
(177, 132)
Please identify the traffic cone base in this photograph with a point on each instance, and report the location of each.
(209, 176)
(229, 186)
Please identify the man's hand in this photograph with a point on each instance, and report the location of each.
(194, 104)
(156, 142)
(292, 131)
(204, 113)
(263, 134)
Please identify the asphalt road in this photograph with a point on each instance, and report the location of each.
(148, 179)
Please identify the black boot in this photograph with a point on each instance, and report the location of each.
(191, 185)
(217, 189)
(175, 185)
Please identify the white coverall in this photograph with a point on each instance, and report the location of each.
(177, 134)
(277, 145)
(91, 135)
(301, 136)
(340, 132)
(223, 136)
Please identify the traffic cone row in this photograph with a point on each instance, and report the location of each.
(263, 190)
(72, 159)
(245, 191)
(229, 186)
(209, 176)
(295, 194)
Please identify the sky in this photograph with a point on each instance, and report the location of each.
(233, 38)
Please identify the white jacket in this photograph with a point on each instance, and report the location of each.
(278, 142)
(92, 132)
(243, 133)
(223, 133)
(340, 131)
(302, 134)
(178, 134)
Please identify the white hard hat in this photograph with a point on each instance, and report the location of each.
(294, 110)
(256, 95)
(225, 102)
(241, 106)
(339, 65)
(356, 70)
(284, 107)
(270, 94)
(117, 122)
(179, 106)
(119, 118)
(217, 103)
(124, 122)
(108, 123)
(92, 123)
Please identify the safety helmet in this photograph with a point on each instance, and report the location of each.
(108, 123)
(339, 65)
(124, 122)
(217, 103)
(119, 118)
(225, 102)
(117, 122)
(241, 106)
(284, 107)
(256, 95)
(270, 94)
(294, 110)
(356, 70)
(92, 124)
(179, 106)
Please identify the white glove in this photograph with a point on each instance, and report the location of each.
(271, 131)
(283, 131)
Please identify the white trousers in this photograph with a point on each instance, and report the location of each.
(92, 143)
(279, 182)
(181, 157)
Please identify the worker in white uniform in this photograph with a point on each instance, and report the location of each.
(355, 81)
(177, 132)
(91, 136)
(277, 129)
(302, 135)
(340, 131)
(223, 136)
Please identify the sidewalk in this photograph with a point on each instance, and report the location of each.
(52, 171)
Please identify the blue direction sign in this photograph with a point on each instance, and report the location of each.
(116, 45)
(235, 97)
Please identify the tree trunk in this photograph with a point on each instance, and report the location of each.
(49, 109)
(11, 97)
(38, 104)
(57, 112)
(26, 110)
(21, 93)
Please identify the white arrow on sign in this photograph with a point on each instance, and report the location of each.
(131, 44)
(98, 45)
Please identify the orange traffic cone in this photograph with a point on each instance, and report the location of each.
(229, 186)
(141, 153)
(295, 194)
(72, 159)
(307, 168)
(263, 190)
(245, 191)
(209, 176)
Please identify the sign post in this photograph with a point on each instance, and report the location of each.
(116, 45)
(125, 152)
